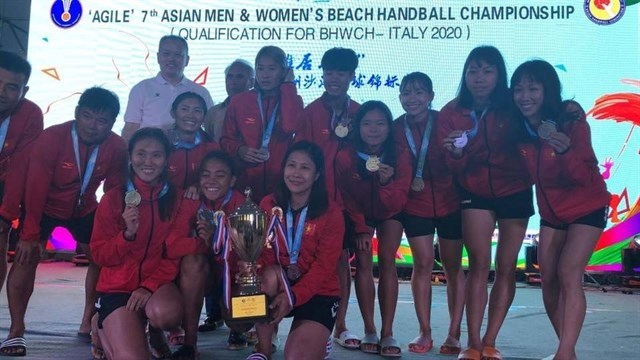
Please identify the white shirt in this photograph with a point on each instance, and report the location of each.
(150, 101)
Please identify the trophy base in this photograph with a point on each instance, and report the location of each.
(249, 307)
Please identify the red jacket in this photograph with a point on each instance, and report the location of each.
(25, 126)
(363, 196)
(53, 180)
(182, 240)
(321, 247)
(489, 166)
(439, 197)
(568, 186)
(128, 265)
(184, 163)
(243, 127)
(317, 129)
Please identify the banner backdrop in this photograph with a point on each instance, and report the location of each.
(594, 46)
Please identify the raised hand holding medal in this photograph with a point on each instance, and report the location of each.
(373, 163)
(546, 128)
(132, 198)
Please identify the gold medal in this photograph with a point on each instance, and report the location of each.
(373, 163)
(341, 131)
(132, 198)
(417, 184)
(545, 129)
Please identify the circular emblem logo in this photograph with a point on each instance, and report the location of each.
(66, 13)
(604, 12)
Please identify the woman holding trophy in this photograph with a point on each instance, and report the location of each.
(191, 240)
(136, 281)
(297, 270)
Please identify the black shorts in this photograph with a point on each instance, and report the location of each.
(108, 303)
(14, 233)
(320, 308)
(596, 218)
(80, 228)
(514, 206)
(448, 227)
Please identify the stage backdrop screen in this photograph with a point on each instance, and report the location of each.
(75, 44)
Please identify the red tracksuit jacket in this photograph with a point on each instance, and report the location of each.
(25, 126)
(128, 265)
(439, 197)
(568, 186)
(317, 129)
(489, 166)
(243, 127)
(182, 240)
(184, 163)
(363, 196)
(53, 180)
(321, 247)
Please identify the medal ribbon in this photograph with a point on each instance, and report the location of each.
(366, 157)
(4, 128)
(474, 117)
(275, 228)
(334, 117)
(294, 243)
(163, 192)
(187, 145)
(268, 128)
(221, 246)
(423, 147)
(91, 163)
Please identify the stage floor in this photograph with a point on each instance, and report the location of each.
(610, 332)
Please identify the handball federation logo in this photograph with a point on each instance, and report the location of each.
(604, 12)
(66, 13)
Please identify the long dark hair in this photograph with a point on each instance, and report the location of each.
(167, 202)
(553, 107)
(319, 198)
(499, 96)
(389, 146)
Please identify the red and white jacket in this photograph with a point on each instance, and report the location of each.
(243, 126)
(54, 182)
(184, 163)
(489, 166)
(439, 197)
(25, 127)
(569, 185)
(129, 265)
(319, 253)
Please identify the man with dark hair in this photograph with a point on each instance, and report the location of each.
(67, 164)
(328, 124)
(150, 100)
(20, 124)
(239, 76)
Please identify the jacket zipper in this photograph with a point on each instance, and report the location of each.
(146, 249)
(539, 185)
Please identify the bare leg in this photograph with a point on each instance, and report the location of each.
(19, 289)
(365, 289)
(451, 256)
(389, 235)
(344, 274)
(423, 257)
(574, 258)
(477, 229)
(552, 242)
(512, 233)
(123, 336)
(4, 245)
(90, 282)
(194, 271)
(307, 340)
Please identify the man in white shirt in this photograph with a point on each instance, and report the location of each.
(150, 100)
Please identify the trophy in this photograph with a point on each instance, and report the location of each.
(248, 234)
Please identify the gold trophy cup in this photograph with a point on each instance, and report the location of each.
(248, 232)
